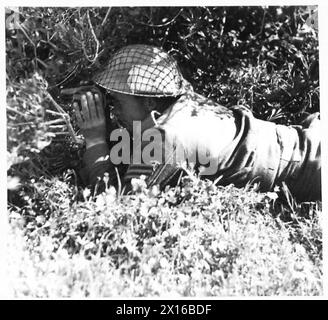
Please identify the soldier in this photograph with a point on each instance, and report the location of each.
(225, 145)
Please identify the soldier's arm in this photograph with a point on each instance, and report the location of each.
(96, 163)
(89, 111)
(160, 168)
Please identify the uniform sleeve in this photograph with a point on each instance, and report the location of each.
(253, 155)
(300, 161)
(159, 169)
(96, 162)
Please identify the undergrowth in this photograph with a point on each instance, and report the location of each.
(195, 240)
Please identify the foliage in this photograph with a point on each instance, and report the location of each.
(197, 240)
(215, 48)
(109, 245)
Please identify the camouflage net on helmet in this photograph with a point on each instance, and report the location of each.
(144, 71)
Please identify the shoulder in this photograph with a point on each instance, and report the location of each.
(193, 107)
(197, 121)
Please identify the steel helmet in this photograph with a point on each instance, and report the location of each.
(142, 70)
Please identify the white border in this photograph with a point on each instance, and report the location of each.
(323, 73)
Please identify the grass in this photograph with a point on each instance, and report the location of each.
(196, 241)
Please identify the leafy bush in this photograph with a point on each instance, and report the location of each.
(197, 240)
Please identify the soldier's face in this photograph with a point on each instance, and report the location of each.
(128, 109)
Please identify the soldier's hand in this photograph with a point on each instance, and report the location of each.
(90, 117)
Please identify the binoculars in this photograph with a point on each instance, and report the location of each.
(82, 89)
(76, 92)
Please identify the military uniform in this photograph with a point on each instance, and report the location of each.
(242, 149)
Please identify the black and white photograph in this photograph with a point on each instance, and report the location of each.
(162, 152)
